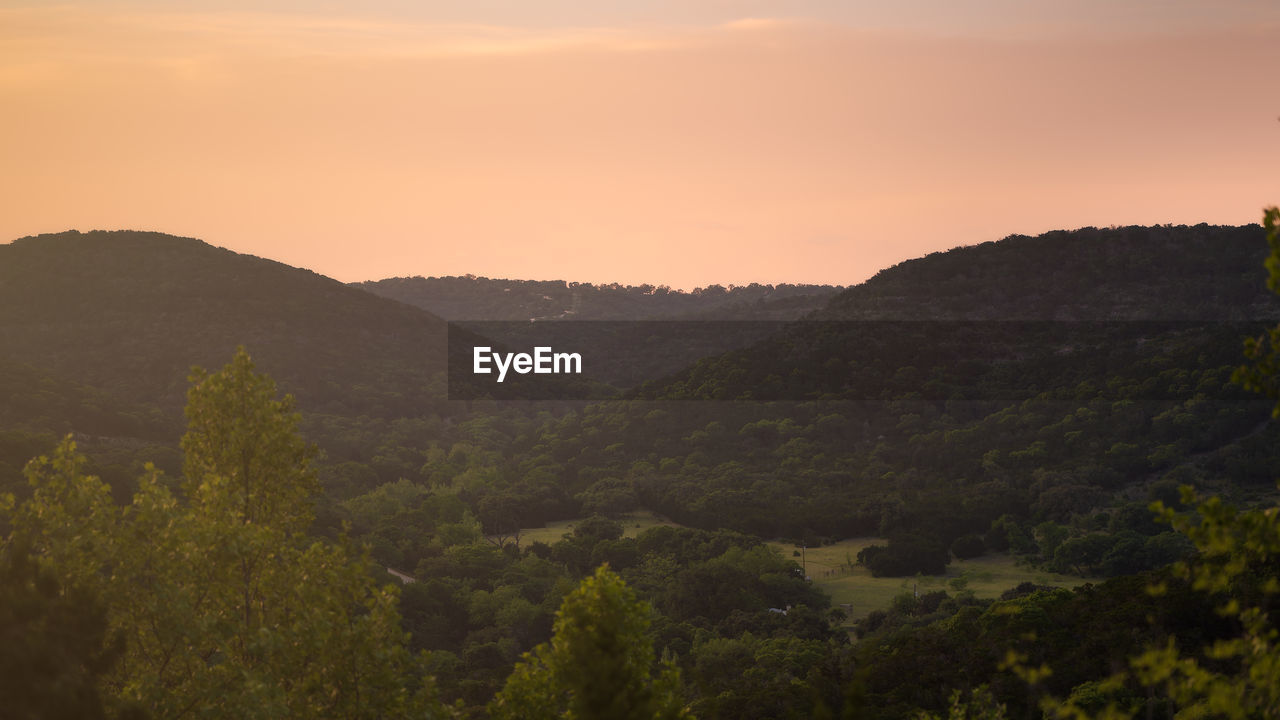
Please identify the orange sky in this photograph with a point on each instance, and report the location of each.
(685, 148)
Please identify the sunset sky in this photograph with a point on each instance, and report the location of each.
(680, 142)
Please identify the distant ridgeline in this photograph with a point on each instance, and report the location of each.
(969, 384)
(630, 333)
(1132, 273)
(131, 312)
(480, 298)
(99, 330)
(1009, 316)
(1028, 396)
(1036, 378)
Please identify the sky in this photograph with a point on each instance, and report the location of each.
(676, 142)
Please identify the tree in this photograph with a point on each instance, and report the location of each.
(1083, 554)
(755, 676)
(224, 604)
(967, 547)
(906, 555)
(1237, 557)
(599, 664)
(244, 458)
(1263, 375)
(55, 644)
(1237, 677)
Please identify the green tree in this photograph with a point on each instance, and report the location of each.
(1236, 677)
(979, 706)
(1263, 374)
(55, 644)
(244, 457)
(599, 664)
(225, 606)
(751, 676)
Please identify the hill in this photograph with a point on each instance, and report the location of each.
(1018, 401)
(610, 321)
(1023, 312)
(480, 298)
(1043, 379)
(129, 313)
(1128, 273)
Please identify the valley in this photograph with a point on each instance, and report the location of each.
(966, 452)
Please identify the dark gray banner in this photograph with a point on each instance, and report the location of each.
(855, 360)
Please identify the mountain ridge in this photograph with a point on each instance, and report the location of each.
(477, 298)
(131, 312)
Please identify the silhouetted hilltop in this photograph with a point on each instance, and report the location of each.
(1023, 313)
(130, 313)
(1131, 273)
(480, 298)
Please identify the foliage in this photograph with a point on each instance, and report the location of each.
(1038, 437)
(1239, 553)
(222, 602)
(1238, 564)
(1228, 675)
(980, 706)
(148, 306)
(1263, 374)
(479, 298)
(969, 546)
(245, 461)
(56, 645)
(599, 664)
(756, 676)
(905, 556)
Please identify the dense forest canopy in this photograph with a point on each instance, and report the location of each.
(1022, 402)
(480, 298)
(130, 313)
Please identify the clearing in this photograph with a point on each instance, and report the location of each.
(851, 587)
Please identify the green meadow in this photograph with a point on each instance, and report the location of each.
(852, 588)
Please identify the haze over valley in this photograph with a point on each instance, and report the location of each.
(719, 359)
(991, 421)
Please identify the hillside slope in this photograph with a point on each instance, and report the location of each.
(130, 312)
(480, 298)
(1064, 306)
(1043, 379)
(1131, 273)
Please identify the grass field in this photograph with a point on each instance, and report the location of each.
(859, 592)
(987, 576)
(853, 587)
(632, 525)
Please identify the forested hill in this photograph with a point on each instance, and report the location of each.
(1014, 398)
(480, 298)
(129, 313)
(1020, 314)
(1131, 273)
(999, 379)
